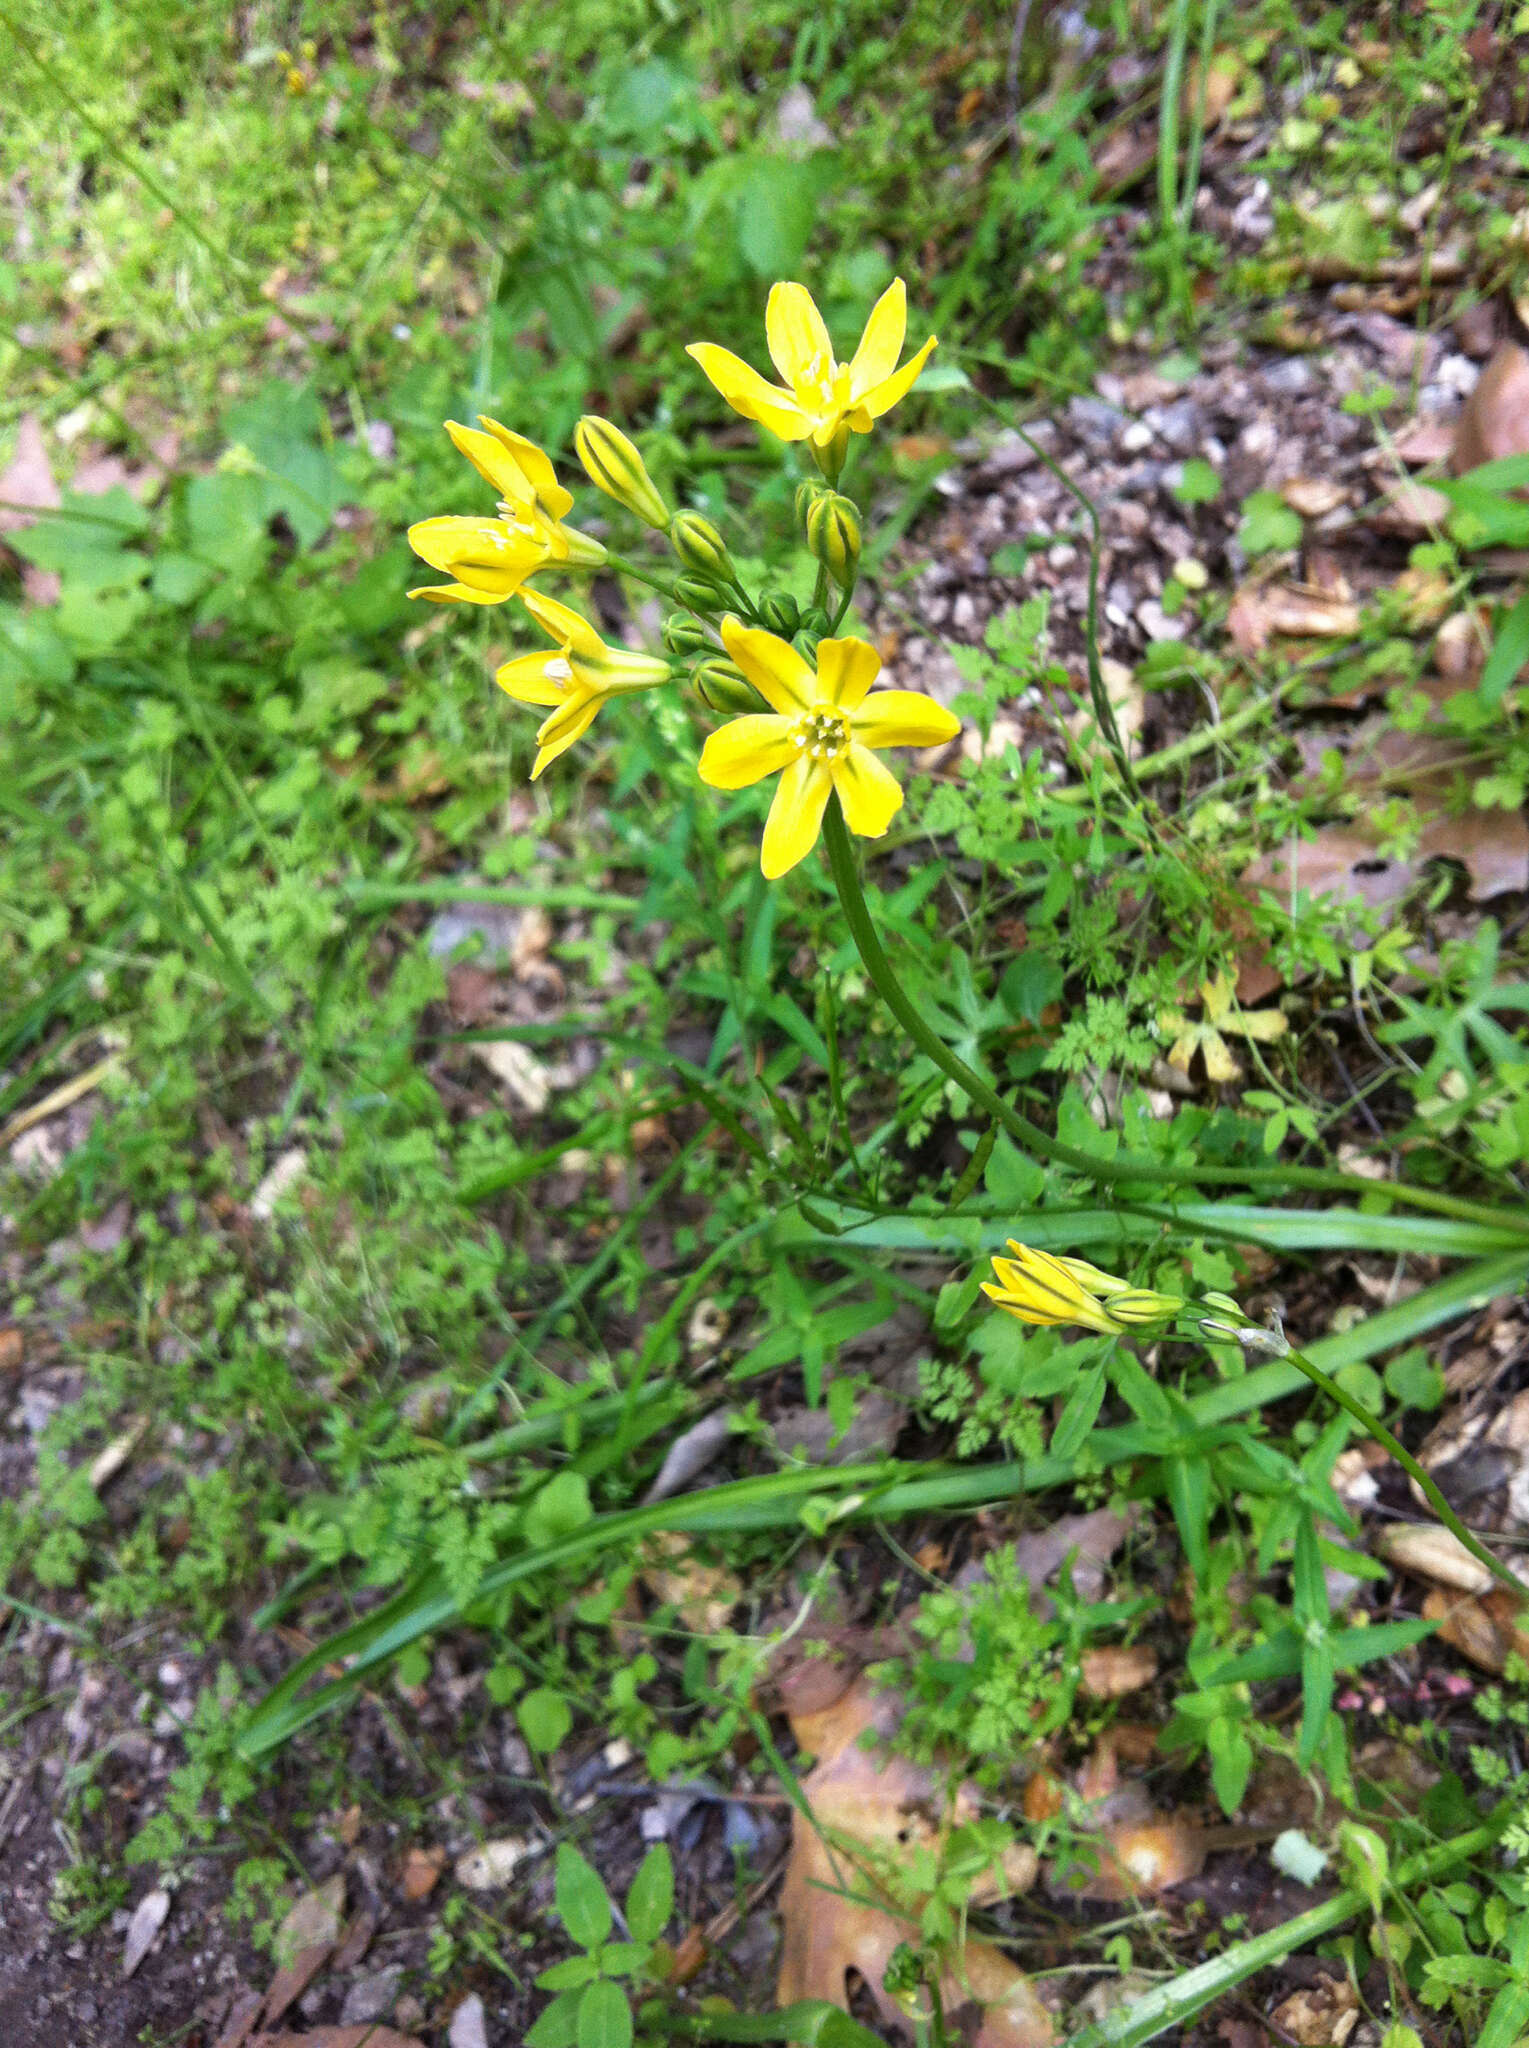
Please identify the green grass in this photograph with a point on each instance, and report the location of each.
(423, 1400)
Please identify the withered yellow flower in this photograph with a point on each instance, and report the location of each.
(818, 738)
(1055, 1293)
(577, 679)
(821, 398)
(489, 559)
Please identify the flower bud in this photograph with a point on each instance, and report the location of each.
(699, 594)
(700, 547)
(614, 466)
(685, 634)
(808, 493)
(833, 537)
(808, 643)
(781, 613)
(814, 620)
(830, 459)
(723, 685)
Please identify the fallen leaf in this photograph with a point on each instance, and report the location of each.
(241, 2020)
(1218, 999)
(1495, 419)
(1117, 1669)
(523, 1074)
(868, 1810)
(704, 1594)
(1411, 509)
(1261, 611)
(1426, 439)
(871, 1433)
(109, 1462)
(149, 1915)
(1431, 1552)
(1335, 862)
(304, 1942)
(1322, 2016)
(1314, 496)
(1488, 1630)
(690, 1453)
(421, 1871)
(285, 1173)
(1492, 846)
(367, 2036)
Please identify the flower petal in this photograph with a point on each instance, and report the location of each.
(796, 815)
(484, 553)
(527, 681)
(535, 465)
(869, 792)
(746, 751)
(773, 666)
(562, 622)
(902, 718)
(882, 342)
(747, 392)
(458, 593)
(800, 347)
(571, 724)
(846, 670)
(882, 397)
(493, 462)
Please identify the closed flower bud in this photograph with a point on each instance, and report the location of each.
(814, 620)
(829, 457)
(700, 547)
(721, 684)
(807, 495)
(808, 642)
(833, 537)
(614, 466)
(699, 593)
(685, 634)
(781, 613)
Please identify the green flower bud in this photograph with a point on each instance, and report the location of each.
(700, 547)
(721, 684)
(814, 620)
(808, 493)
(614, 466)
(780, 612)
(831, 459)
(685, 634)
(833, 537)
(699, 594)
(808, 643)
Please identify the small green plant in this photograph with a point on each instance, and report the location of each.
(592, 2007)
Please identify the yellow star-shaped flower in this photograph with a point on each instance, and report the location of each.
(819, 738)
(581, 676)
(821, 396)
(489, 559)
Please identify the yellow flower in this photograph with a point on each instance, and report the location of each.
(1053, 1293)
(490, 558)
(581, 676)
(818, 737)
(822, 397)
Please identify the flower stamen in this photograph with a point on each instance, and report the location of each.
(821, 734)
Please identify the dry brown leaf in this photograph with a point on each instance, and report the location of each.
(304, 1942)
(1432, 1552)
(1139, 1859)
(241, 2020)
(1322, 2016)
(1411, 509)
(1495, 420)
(704, 1594)
(368, 2036)
(1314, 496)
(869, 1809)
(1338, 861)
(1117, 1669)
(1425, 439)
(1492, 846)
(420, 1873)
(1487, 1630)
(1261, 611)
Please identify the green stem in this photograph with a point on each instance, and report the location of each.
(624, 567)
(1374, 1427)
(1120, 1171)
